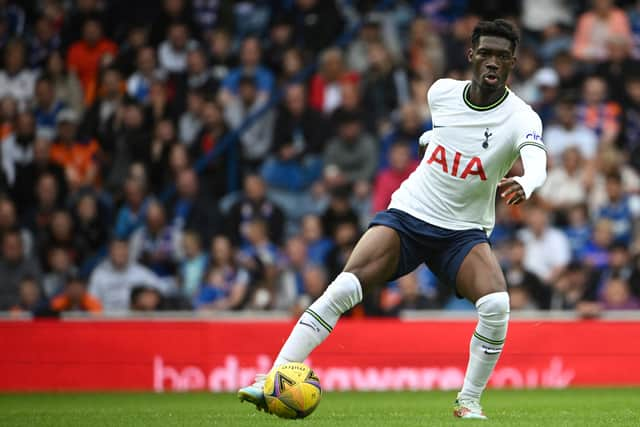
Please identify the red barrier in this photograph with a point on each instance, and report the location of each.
(367, 354)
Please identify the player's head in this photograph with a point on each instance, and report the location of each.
(492, 52)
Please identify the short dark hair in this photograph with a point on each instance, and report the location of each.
(496, 28)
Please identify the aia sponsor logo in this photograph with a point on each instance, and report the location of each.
(472, 166)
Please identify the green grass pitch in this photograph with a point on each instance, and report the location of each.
(548, 408)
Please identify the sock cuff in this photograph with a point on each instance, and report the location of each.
(501, 297)
(355, 282)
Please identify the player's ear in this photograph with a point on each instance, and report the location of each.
(470, 54)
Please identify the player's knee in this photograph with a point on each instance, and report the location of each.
(494, 307)
(344, 292)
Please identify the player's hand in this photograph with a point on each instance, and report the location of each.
(511, 191)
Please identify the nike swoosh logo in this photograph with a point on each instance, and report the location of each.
(309, 325)
(491, 351)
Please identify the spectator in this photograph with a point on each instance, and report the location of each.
(192, 266)
(30, 299)
(314, 280)
(156, 245)
(608, 161)
(190, 122)
(546, 81)
(172, 11)
(547, 250)
(145, 298)
(618, 66)
(213, 131)
(570, 74)
(254, 204)
(622, 209)
(59, 233)
(225, 285)
(596, 27)
(259, 256)
(156, 159)
(8, 115)
(291, 281)
(630, 135)
(255, 140)
(317, 23)
(137, 38)
(198, 77)
(44, 40)
(570, 287)
(131, 215)
(424, 51)
(385, 87)
(339, 210)
(59, 267)
(46, 108)
(91, 229)
(408, 131)
(23, 191)
(525, 288)
(280, 41)
(318, 244)
(618, 267)
(129, 143)
(298, 125)
(75, 297)
(114, 279)
(104, 115)
(598, 114)
(38, 216)
(85, 56)
(578, 230)
(388, 180)
(221, 56)
(66, 86)
(16, 80)
(565, 184)
(249, 65)
(325, 87)
(16, 149)
(352, 150)
(345, 236)
(9, 223)
(172, 53)
(139, 84)
(567, 132)
(14, 268)
(192, 209)
(78, 158)
(73, 23)
(293, 66)
(596, 252)
(616, 295)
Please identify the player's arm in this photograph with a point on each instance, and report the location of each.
(423, 142)
(533, 153)
(519, 188)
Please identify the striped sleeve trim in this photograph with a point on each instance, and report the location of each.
(319, 319)
(487, 340)
(535, 144)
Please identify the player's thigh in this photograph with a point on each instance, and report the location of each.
(375, 258)
(480, 274)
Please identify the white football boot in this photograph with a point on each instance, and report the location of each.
(255, 393)
(469, 409)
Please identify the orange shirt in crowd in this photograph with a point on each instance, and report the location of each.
(88, 303)
(84, 60)
(78, 160)
(593, 34)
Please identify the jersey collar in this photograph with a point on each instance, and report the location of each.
(465, 94)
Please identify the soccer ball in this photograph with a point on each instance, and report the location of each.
(292, 391)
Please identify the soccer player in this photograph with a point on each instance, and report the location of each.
(443, 213)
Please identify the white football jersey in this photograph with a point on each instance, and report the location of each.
(471, 148)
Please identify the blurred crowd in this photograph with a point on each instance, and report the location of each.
(225, 155)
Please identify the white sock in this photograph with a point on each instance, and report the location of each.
(486, 343)
(317, 322)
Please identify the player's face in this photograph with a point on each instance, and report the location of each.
(491, 61)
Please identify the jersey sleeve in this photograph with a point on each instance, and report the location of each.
(434, 94)
(528, 131)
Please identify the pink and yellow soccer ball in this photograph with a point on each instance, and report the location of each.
(292, 390)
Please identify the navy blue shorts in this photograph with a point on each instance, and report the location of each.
(440, 249)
